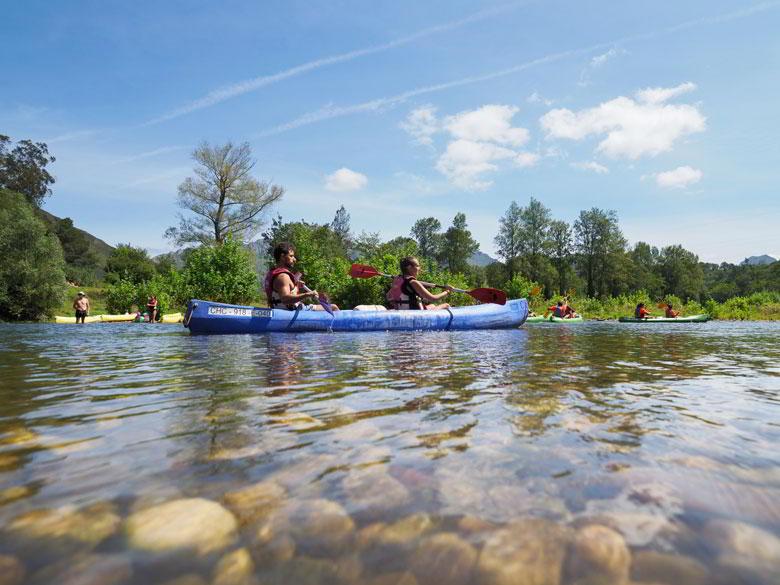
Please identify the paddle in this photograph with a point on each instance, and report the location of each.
(322, 298)
(483, 295)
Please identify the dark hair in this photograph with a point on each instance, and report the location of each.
(560, 303)
(407, 262)
(640, 305)
(282, 248)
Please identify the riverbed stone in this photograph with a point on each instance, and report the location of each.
(191, 523)
(310, 571)
(254, 502)
(386, 547)
(12, 571)
(11, 494)
(92, 569)
(235, 568)
(188, 579)
(599, 553)
(63, 531)
(320, 527)
(397, 578)
(742, 545)
(444, 558)
(655, 567)
(372, 493)
(529, 551)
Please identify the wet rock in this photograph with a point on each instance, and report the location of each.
(309, 571)
(386, 547)
(12, 571)
(320, 527)
(256, 501)
(398, 578)
(529, 551)
(109, 569)
(599, 553)
(474, 525)
(235, 568)
(303, 472)
(188, 579)
(667, 569)
(14, 493)
(63, 531)
(194, 523)
(444, 558)
(373, 493)
(737, 544)
(9, 461)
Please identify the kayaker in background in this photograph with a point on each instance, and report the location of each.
(151, 308)
(81, 305)
(641, 312)
(407, 293)
(670, 312)
(562, 310)
(282, 287)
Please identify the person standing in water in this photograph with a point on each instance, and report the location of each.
(81, 305)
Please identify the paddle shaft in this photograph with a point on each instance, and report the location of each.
(460, 290)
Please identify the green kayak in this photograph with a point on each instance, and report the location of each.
(542, 319)
(690, 319)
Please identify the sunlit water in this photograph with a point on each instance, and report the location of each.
(593, 453)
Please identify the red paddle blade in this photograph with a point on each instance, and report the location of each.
(489, 295)
(363, 271)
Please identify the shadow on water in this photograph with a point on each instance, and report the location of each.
(551, 454)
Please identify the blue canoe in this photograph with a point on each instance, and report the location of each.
(206, 317)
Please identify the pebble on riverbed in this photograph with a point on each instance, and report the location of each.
(743, 546)
(235, 568)
(656, 567)
(93, 569)
(598, 554)
(444, 558)
(373, 493)
(186, 524)
(12, 571)
(320, 527)
(255, 502)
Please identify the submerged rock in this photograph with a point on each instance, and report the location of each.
(12, 571)
(373, 493)
(320, 527)
(737, 544)
(667, 569)
(529, 551)
(188, 579)
(599, 553)
(256, 501)
(194, 523)
(399, 578)
(235, 568)
(444, 558)
(309, 571)
(94, 569)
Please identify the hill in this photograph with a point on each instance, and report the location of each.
(101, 248)
(480, 259)
(758, 260)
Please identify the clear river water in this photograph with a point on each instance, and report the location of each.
(550, 454)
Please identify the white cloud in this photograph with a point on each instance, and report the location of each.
(422, 124)
(600, 60)
(632, 129)
(466, 160)
(659, 95)
(345, 179)
(591, 166)
(490, 123)
(537, 98)
(526, 159)
(679, 178)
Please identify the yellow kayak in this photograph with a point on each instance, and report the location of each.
(172, 318)
(88, 319)
(117, 318)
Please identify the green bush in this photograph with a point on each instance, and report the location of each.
(121, 296)
(32, 272)
(223, 274)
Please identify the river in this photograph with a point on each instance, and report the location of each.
(592, 453)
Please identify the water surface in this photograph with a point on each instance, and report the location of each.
(592, 453)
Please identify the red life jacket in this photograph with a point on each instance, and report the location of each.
(268, 285)
(402, 296)
(641, 313)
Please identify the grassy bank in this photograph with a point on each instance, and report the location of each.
(95, 294)
(756, 307)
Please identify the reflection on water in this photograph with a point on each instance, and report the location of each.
(600, 453)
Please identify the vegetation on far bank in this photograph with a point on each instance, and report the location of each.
(542, 258)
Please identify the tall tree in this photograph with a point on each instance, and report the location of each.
(535, 222)
(425, 231)
(644, 269)
(340, 226)
(509, 240)
(458, 245)
(600, 246)
(560, 251)
(127, 262)
(23, 169)
(224, 199)
(682, 272)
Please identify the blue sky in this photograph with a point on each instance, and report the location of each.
(400, 110)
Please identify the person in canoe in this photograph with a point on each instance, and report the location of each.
(670, 313)
(641, 312)
(561, 310)
(407, 293)
(283, 288)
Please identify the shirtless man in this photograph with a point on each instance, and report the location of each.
(81, 305)
(282, 287)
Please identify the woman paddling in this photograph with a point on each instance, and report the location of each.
(406, 292)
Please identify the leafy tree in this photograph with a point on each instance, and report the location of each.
(129, 263)
(534, 244)
(681, 272)
(367, 243)
(429, 241)
(340, 226)
(223, 273)
(600, 246)
(560, 239)
(122, 295)
(23, 169)
(644, 270)
(224, 199)
(82, 263)
(458, 245)
(32, 273)
(510, 237)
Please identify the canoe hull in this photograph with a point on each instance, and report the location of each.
(690, 319)
(541, 319)
(205, 317)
